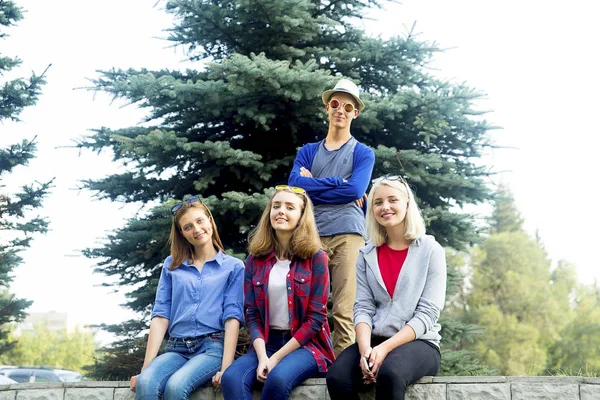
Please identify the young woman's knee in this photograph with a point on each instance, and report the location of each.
(148, 385)
(230, 378)
(393, 376)
(178, 387)
(277, 384)
(337, 375)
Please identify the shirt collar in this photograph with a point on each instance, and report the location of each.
(218, 259)
(272, 256)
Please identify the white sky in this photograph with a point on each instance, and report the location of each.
(535, 60)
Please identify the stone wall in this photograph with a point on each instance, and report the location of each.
(428, 388)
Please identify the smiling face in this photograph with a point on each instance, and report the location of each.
(338, 117)
(389, 207)
(286, 210)
(196, 227)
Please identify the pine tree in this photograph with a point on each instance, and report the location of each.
(506, 217)
(16, 225)
(230, 129)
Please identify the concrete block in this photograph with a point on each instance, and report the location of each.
(468, 379)
(7, 394)
(124, 394)
(41, 394)
(433, 391)
(206, 393)
(544, 391)
(92, 384)
(562, 380)
(310, 392)
(93, 393)
(40, 385)
(311, 389)
(121, 383)
(490, 391)
(589, 392)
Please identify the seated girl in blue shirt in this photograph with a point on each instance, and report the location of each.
(199, 300)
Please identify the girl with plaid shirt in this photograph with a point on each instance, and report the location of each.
(286, 286)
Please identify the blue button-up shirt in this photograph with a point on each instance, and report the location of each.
(197, 303)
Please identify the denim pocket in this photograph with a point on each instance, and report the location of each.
(213, 345)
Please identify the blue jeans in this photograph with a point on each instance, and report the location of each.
(240, 378)
(184, 367)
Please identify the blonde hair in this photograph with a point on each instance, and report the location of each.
(414, 226)
(305, 240)
(181, 249)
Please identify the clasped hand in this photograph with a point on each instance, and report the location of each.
(265, 365)
(371, 361)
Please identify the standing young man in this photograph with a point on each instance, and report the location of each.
(335, 173)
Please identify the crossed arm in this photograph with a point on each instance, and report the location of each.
(334, 189)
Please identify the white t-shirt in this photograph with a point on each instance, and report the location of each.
(278, 307)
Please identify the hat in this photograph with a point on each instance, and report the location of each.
(345, 86)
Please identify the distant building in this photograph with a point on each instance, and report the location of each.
(55, 321)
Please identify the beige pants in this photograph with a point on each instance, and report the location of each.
(343, 252)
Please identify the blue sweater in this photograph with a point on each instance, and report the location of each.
(333, 190)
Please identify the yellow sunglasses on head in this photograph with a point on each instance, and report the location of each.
(290, 188)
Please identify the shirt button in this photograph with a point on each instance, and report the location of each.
(258, 283)
(289, 288)
(302, 279)
(290, 302)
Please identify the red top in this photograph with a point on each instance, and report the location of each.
(390, 263)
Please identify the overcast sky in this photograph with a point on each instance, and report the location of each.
(535, 60)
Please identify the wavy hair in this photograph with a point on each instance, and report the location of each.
(181, 249)
(305, 240)
(414, 226)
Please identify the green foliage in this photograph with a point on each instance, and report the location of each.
(506, 217)
(16, 223)
(231, 129)
(512, 297)
(124, 358)
(578, 350)
(456, 334)
(534, 315)
(42, 346)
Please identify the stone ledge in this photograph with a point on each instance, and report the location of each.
(427, 388)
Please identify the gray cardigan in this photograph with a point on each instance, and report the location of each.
(418, 297)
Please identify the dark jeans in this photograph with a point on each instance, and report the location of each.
(402, 366)
(240, 378)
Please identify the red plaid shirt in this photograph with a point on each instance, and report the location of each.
(307, 302)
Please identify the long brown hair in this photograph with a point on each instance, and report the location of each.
(181, 249)
(305, 240)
